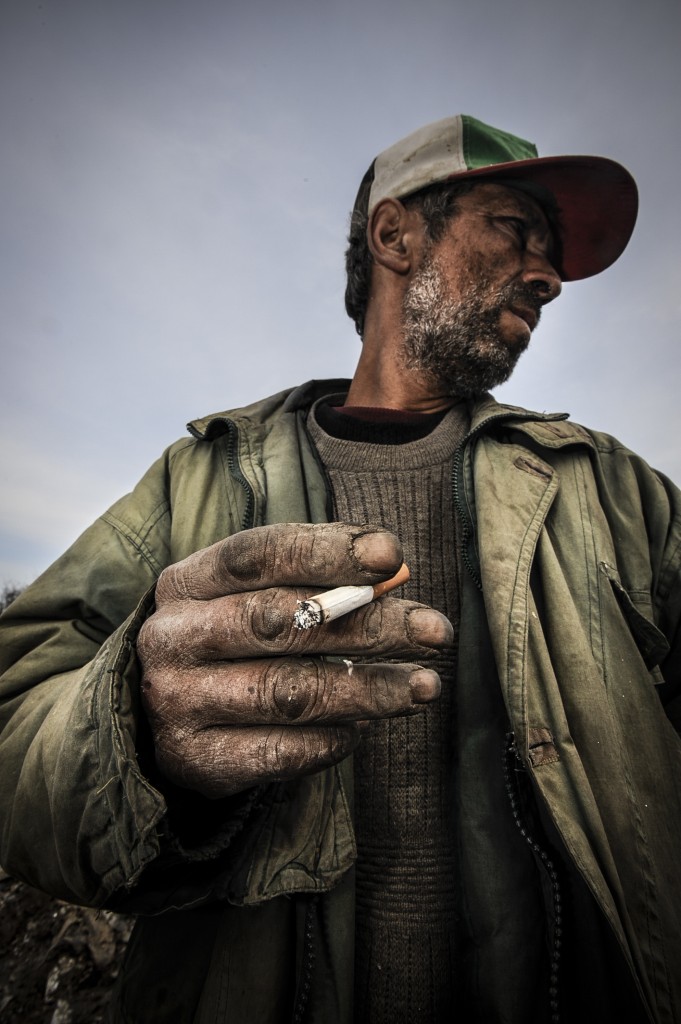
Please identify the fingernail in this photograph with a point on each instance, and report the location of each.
(430, 628)
(424, 685)
(377, 551)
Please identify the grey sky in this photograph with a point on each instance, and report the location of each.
(175, 184)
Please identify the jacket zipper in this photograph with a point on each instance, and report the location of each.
(236, 471)
(233, 465)
(460, 507)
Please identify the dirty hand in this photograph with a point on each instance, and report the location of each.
(237, 696)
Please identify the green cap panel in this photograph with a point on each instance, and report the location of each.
(484, 145)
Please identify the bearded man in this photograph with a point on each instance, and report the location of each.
(461, 802)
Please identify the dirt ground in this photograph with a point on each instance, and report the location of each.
(57, 962)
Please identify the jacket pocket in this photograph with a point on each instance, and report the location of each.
(651, 641)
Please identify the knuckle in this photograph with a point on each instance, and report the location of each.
(277, 753)
(380, 694)
(288, 752)
(147, 641)
(168, 585)
(370, 621)
(296, 690)
(374, 622)
(266, 551)
(386, 689)
(312, 547)
(161, 706)
(173, 755)
(293, 552)
(243, 555)
(158, 639)
(301, 551)
(192, 759)
(144, 641)
(336, 743)
(268, 619)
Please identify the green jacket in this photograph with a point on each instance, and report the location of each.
(572, 599)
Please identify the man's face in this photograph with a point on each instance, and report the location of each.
(476, 296)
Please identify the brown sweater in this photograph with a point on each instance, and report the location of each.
(406, 930)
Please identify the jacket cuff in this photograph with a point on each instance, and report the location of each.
(170, 828)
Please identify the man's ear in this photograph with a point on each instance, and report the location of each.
(394, 235)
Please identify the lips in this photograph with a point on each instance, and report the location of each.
(530, 317)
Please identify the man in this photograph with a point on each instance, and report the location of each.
(501, 844)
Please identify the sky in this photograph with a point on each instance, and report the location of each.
(175, 183)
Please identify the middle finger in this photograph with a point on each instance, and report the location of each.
(260, 624)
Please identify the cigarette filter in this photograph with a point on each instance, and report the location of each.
(333, 604)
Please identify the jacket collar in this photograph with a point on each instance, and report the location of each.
(551, 430)
(259, 413)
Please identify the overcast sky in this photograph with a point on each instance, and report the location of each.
(176, 177)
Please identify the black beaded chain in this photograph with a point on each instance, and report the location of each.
(511, 760)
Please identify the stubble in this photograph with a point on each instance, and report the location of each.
(457, 344)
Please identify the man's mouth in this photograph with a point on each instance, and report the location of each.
(530, 316)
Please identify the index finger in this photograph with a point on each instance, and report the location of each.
(285, 554)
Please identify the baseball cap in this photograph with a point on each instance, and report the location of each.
(597, 198)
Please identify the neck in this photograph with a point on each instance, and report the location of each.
(381, 381)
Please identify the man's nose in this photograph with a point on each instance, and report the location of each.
(542, 277)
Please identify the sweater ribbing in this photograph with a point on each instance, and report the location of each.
(406, 930)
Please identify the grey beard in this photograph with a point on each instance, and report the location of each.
(457, 344)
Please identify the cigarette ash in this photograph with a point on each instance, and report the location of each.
(307, 615)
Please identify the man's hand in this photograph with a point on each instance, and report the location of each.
(237, 696)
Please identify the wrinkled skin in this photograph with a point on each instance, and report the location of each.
(237, 696)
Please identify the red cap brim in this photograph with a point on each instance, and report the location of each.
(597, 200)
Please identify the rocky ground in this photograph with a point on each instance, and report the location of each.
(57, 962)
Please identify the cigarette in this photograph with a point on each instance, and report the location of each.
(333, 604)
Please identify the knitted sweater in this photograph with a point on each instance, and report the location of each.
(406, 931)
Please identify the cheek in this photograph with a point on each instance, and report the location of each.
(479, 271)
